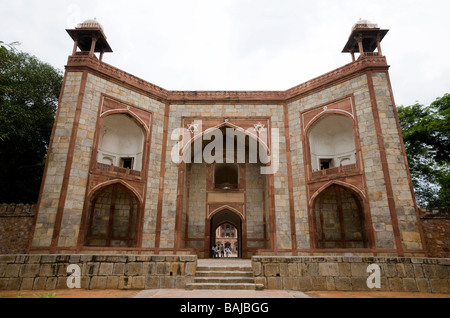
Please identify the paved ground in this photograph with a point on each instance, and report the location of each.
(181, 293)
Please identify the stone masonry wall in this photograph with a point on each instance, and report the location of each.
(16, 221)
(429, 275)
(49, 272)
(436, 228)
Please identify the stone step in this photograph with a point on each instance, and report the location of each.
(225, 286)
(235, 280)
(223, 273)
(224, 268)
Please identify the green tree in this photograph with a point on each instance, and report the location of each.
(29, 92)
(426, 133)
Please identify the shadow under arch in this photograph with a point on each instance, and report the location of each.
(256, 143)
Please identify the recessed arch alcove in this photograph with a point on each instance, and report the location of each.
(332, 142)
(339, 219)
(121, 142)
(112, 217)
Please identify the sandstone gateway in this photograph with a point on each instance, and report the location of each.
(338, 181)
(309, 187)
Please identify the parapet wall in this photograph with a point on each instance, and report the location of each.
(49, 272)
(429, 275)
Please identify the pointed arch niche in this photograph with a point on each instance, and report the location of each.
(339, 219)
(112, 217)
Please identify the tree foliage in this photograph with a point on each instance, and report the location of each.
(426, 133)
(29, 92)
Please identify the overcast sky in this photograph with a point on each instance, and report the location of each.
(242, 44)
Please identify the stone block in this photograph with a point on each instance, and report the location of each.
(134, 269)
(12, 270)
(8, 259)
(125, 282)
(429, 271)
(4, 283)
(51, 283)
(271, 270)
(61, 283)
(359, 269)
(116, 259)
(359, 283)
(166, 282)
(304, 283)
(389, 270)
(261, 280)
(119, 269)
(292, 270)
(410, 285)
(48, 259)
(39, 283)
(98, 282)
(439, 286)
(343, 283)
(138, 282)
(256, 267)
(190, 269)
(418, 271)
(313, 269)
(29, 270)
(330, 283)
(395, 284)
(27, 283)
(345, 269)
(151, 282)
(106, 269)
(283, 269)
(423, 285)
(48, 270)
(112, 282)
(14, 283)
(91, 269)
(274, 283)
(328, 269)
(318, 283)
(162, 268)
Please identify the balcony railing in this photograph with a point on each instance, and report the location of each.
(334, 171)
(120, 170)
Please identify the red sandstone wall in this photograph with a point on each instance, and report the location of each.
(15, 226)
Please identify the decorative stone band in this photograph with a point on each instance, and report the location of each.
(81, 62)
(49, 272)
(429, 275)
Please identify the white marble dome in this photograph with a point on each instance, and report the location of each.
(364, 24)
(91, 23)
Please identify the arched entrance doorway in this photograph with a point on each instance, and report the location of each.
(227, 218)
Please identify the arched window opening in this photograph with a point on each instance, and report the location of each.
(332, 142)
(339, 217)
(112, 218)
(121, 142)
(226, 176)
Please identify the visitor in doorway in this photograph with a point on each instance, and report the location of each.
(227, 251)
(214, 251)
(222, 251)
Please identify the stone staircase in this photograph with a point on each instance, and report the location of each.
(225, 275)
